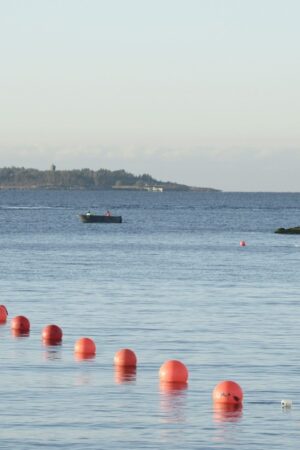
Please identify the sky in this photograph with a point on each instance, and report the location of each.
(200, 92)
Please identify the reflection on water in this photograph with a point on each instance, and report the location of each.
(51, 343)
(226, 418)
(227, 413)
(173, 401)
(125, 374)
(19, 334)
(84, 356)
(83, 379)
(286, 410)
(52, 352)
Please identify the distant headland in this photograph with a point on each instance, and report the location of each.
(86, 179)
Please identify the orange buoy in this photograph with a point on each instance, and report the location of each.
(125, 357)
(3, 314)
(228, 392)
(20, 324)
(52, 334)
(173, 371)
(85, 346)
(242, 244)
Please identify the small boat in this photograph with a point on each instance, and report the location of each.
(94, 218)
(294, 230)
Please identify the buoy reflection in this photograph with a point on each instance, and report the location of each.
(125, 374)
(173, 389)
(51, 343)
(84, 356)
(226, 412)
(173, 401)
(52, 351)
(19, 334)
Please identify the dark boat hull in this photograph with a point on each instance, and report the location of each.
(93, 218)
(294, 230)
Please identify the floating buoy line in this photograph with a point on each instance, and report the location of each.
(173, 374)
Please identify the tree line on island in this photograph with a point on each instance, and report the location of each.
(22, 178)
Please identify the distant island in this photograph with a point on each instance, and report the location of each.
(22, 178)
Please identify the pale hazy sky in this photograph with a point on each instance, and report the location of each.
(203, 92)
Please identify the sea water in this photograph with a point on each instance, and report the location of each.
(170, 282)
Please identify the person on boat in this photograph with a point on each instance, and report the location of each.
(88, 213)
(108, 213)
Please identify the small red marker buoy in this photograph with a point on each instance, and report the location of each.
(242, 244)
(125, 357)
(85, 346)
(173, 371)
(52, 334)
(20, 324)
(228, 392)
(3, 314)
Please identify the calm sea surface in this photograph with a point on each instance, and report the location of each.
(170, 282)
